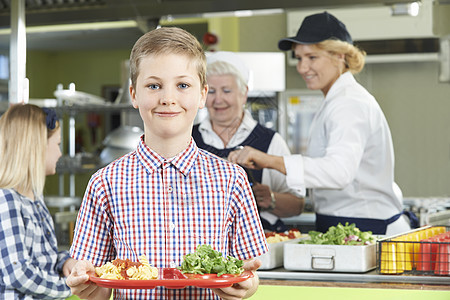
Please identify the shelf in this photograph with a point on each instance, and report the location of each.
(104, 108)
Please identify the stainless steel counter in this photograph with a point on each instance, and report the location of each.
(369, 277)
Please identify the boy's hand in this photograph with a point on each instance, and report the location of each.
(79, 283)
(245, 289)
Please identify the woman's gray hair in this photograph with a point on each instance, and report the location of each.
(219, 68)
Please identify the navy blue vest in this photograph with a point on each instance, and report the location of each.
(259, 138)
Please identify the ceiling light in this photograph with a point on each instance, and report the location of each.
(405, 9)
(76, 27)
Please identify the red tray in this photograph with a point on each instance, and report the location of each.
(173, 278)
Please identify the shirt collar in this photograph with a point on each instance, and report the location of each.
(343, 80)
(211, 138)
(152, 161)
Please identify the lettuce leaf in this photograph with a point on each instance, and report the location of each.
(206, 260)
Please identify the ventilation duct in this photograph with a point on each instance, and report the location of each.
(389, 37)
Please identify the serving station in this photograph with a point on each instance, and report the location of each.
(413, 264)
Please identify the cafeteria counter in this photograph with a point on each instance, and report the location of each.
(368, 277)
(283, 284)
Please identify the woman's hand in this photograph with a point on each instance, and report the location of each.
(247, 157)
(262, 195)
(252, 158)
(244, 289)
(79, 283)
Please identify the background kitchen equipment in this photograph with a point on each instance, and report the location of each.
(64, 211)
(119, 142)
(296, 112)
(429, 210)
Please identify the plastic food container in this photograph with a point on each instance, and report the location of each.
(329, 258)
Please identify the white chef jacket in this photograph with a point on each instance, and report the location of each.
(349, 164)
(274, 179)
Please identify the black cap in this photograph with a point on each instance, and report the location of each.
(317, 28)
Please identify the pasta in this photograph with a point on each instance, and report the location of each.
(125, 269)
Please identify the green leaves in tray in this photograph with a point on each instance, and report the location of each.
(206, 260)
(341, 235)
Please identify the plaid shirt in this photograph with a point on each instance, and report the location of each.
(30, 263)
(163, 208)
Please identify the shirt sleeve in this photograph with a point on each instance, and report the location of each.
(62, 257)
(17, 267)
(249, 239)
(295, 176)
(346, 129)
(92, 239)
(273, 178)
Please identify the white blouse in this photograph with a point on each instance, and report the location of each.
(349, 163)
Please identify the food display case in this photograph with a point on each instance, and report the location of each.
(365, 266)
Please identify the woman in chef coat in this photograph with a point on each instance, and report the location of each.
(229, 126)
(349, 164)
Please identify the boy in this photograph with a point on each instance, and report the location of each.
(168, 196)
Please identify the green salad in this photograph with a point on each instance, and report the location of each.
(206, 260)
(341, 235)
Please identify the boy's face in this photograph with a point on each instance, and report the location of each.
(168, 95)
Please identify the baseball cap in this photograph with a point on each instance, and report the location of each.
(231, 58)
(317, 28)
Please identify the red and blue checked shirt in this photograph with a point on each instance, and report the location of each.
(30, 263)
(163, 208)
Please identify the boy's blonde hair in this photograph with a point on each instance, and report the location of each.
(354, 57)
(167, 40)
(23, 146)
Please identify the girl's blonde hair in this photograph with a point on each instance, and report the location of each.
(354, 57)
(23, 146)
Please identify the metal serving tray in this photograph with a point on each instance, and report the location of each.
(274, 257)
(329, 258)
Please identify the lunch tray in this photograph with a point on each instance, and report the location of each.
(173, 278)
(423, 251)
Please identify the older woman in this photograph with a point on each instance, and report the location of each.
(349, 163)
(229, 126)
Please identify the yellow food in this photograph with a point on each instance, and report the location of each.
(125, 269)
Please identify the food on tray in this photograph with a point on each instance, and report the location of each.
(341, 235)
(276, 237)
(126, 269)
(206, 260)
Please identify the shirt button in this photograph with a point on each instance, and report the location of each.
(169, 189)
(172, 226)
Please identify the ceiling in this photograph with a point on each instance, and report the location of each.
(146, 12)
